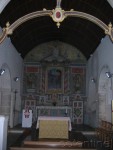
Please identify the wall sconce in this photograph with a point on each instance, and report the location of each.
(2, 71)
(93, 80)
(16, 79)
(109, 75)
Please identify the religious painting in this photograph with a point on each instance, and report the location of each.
(54, 79)
(78, 79)
(78, 82)
(65, 100)
(31, 78)
(42, 100)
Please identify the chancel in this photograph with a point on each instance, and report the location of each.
(56, 85)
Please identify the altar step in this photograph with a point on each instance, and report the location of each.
(53, 144)
(48, 145)
(23, 148)
(18, 135)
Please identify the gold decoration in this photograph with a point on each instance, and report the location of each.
(58, 24)
(58, 16)
(71, 9)
(8, 30)
(109, 31)
(44, 9)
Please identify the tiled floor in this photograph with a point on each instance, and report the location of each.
(83, 133)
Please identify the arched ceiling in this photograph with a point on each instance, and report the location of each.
(82, 34)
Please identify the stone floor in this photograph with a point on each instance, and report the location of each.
(83, 133)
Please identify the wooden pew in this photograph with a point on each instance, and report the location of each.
(104, 132)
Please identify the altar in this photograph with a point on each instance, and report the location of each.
(54, 111)
(53, 127)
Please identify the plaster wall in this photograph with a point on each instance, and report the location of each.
(100, 62)
(110, 2)
(3, 3)
(11, 61)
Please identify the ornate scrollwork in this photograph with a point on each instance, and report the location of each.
(109, 31)
(6, 31)
(58, 15)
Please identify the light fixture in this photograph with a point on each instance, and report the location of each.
(93, 80)
(109, 75)
(2, 71)
(16, 79)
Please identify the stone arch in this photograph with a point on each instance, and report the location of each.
(8, 30)
(104, 96)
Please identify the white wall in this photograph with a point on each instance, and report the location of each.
(11, 60)
(3, 4)
(110, 2)
(100, 62)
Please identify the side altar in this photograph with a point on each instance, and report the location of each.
(59, 111)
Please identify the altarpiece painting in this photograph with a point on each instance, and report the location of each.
(54, 80)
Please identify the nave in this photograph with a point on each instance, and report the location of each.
(81, 137)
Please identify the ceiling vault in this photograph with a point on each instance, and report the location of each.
(58, 15)
(80, 23)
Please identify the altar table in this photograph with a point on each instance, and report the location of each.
(54, 127)
(54, 111)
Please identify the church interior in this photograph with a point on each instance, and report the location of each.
(56, 74)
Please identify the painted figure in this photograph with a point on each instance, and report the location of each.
(54, 78)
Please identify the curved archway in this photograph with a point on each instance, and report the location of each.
(104, 96)
(58, 15)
